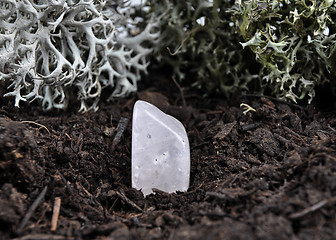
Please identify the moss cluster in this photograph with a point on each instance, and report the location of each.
(199, 38)
(292, 44)
(293, 40)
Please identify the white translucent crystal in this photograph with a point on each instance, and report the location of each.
(160, 151)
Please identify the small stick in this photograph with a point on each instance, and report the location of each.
(218, 195)
(66, 184)
(38, 124)
(43, 213)
(181, 92)
(56, 211)
(199, 145)
(294, 133)
(41, 236)
(120, 130)
(180, 47)
(129, 201)
(31, 210)
(313, 208)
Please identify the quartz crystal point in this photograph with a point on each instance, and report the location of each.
(160, 151)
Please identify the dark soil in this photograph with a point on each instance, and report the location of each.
(269, 174)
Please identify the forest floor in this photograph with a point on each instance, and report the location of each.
(269, 174)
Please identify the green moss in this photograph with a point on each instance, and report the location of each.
(293, 44)
(290, 40)
(199, 38)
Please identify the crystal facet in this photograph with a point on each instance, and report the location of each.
(160, 151)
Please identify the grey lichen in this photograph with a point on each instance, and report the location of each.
(50, 49)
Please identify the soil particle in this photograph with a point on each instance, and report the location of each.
(264, 140)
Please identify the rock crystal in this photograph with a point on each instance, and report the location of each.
(160, 151)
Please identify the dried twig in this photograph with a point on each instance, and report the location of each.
(31, 210)
(181, 92)
(313, 208)
(38, 124)
(56, 211)
(66, 184)
(294, 133)
(217, 195)
(119, 131)
(127, 200)
(199, 145)
(43, 213)
(180, 47)
(40, 236)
